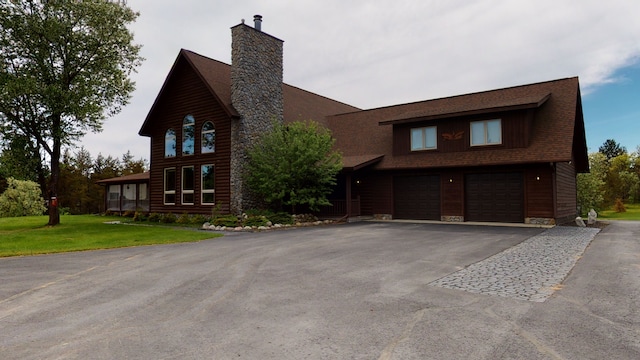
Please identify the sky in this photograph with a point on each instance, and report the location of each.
(371, 54)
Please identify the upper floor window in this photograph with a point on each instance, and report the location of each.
(188, 135)
(487, 132)
(170, 143)
(208, 138)
(424, 138)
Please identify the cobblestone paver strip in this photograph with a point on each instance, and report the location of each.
(531, 270)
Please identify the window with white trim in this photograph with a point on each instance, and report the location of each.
(188, 180)
(486, 132)
(208, 138)
(170, 186)
(170, 143)
(188, 135)
(424, 138)
(208, 184)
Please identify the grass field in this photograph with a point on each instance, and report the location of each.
(31, 236)
(632, 213)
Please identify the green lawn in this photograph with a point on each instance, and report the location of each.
(632, 213)
(31, 236)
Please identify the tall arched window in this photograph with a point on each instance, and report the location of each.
(170, 143)
(188, 135)
(208, 138)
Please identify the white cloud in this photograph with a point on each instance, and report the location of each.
(380, 53)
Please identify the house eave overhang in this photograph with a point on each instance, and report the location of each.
(465, 165)
(133, 178)
(354, 163)
(515, 105)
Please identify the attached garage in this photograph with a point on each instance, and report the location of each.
(495, 197)
(417, 197)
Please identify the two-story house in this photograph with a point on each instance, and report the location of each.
(507, 155)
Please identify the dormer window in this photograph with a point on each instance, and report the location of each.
(486, 132)
(424, 138)
(188, 135)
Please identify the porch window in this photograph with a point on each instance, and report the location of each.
(208, 184)
(169, 186)
(143, 196)
(129, 196)
(170, 143)
(487, 132)
(143, 191)
(187, 185)
(113, 200)
(424, 138)
(208, 138)
(188, 135)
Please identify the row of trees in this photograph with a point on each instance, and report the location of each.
(78, 192)
(614, 177)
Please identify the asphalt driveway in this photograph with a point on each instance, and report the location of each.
(353, 291)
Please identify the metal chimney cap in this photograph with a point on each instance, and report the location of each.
(257, 22)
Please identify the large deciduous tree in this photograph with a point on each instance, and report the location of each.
(294, 164)
(622, 182)
(591, 185)
(65, 67)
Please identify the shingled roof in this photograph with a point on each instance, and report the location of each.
(132, 178)
(298, 104)
(363, 136)
(558, 127)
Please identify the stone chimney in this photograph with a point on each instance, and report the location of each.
(256, 94)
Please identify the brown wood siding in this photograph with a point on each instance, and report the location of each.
(375, 191)
(539, 192)
(452, 188)
(186, 94)
(516, 132)
(566, 192)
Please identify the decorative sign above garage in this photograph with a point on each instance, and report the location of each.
(453, 135)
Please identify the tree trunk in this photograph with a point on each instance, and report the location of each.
(54, 214)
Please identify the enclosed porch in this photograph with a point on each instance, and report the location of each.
(126, 193)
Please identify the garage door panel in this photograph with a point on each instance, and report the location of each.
(417, 197)
(494, 197)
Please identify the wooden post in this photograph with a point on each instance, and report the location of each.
(348, 180)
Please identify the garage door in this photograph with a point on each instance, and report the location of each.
(417, 197)
(494, 197)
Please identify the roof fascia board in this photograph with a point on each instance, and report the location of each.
(182, 54)
(141, 132)
(532, 105)
(363, 164)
